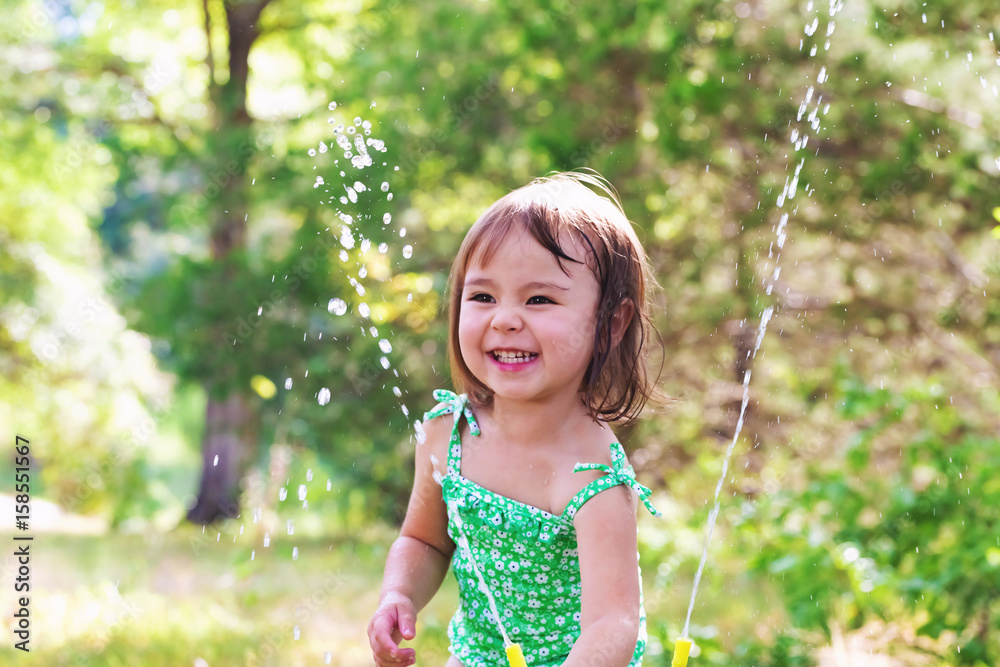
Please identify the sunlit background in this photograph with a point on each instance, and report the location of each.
(226, 230)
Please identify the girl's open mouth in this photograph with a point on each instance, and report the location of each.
(512, 356)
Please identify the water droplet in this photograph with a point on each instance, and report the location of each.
(282, 493)
(324, 396)
(267, 539)
(388, 197)
(346, 237)
(288, 383)
(385, 186)
(337, 307)
(357, 121)
(364, 310)
(290, 527)
(333, 105)
(302, 491)
(344, 256)
(216, 461)
(385, 345)
(384, 247)
(252, 554)
(322, 147)
(387, 218)
(329, 656)
(397, 392)
(329, 484)
(256, 514)
(384, 362)
(312, 152)
(359, 186)
(407, 251)
(350, 129)
(295, 555)
(309, 474)
(319, 182)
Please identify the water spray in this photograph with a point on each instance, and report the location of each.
(682, 646)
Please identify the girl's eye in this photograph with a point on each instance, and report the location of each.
(540, 299)
(480, 297)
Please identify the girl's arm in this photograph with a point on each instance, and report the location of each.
(609, 573)
(418, 560)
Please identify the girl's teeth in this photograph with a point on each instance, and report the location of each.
(514, 357)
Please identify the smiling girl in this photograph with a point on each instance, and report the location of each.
(549, 328)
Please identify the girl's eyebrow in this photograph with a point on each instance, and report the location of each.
(486, 282)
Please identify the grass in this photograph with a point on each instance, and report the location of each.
(220, 598)
(183, 598)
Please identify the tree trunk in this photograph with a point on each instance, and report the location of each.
(228, 430)
(230, 424)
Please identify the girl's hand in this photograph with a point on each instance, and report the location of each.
(394, 621)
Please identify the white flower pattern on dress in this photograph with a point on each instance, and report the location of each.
(530, 555)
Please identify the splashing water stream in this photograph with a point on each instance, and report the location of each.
(799, 139)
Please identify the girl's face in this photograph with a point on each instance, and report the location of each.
(526, 328)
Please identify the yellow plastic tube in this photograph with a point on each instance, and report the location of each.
(682, 647)
(515, 657)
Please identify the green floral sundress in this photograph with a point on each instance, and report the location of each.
(528, 558)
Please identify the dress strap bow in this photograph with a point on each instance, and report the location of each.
(455, 404)
(622, 473)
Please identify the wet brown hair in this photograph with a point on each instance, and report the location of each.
(617, 383)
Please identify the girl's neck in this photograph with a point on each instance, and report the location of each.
(533, 422)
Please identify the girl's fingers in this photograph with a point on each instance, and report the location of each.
(406, 621)
(386, 630)
(380, 636)
(398, 658)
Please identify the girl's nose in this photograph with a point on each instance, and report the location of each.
(506, 319)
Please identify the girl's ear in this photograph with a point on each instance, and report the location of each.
(620, 321)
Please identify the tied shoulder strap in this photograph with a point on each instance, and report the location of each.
(619, 472)
(457, 405)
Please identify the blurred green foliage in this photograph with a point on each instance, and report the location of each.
(886, 533)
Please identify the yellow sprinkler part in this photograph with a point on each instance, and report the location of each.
(682, 647)
(515, 657)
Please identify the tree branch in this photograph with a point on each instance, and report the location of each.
(210, 58)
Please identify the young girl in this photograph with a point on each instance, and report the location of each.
(549, 327)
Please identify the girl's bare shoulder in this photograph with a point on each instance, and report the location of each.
(433, 439)
(593, 445)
